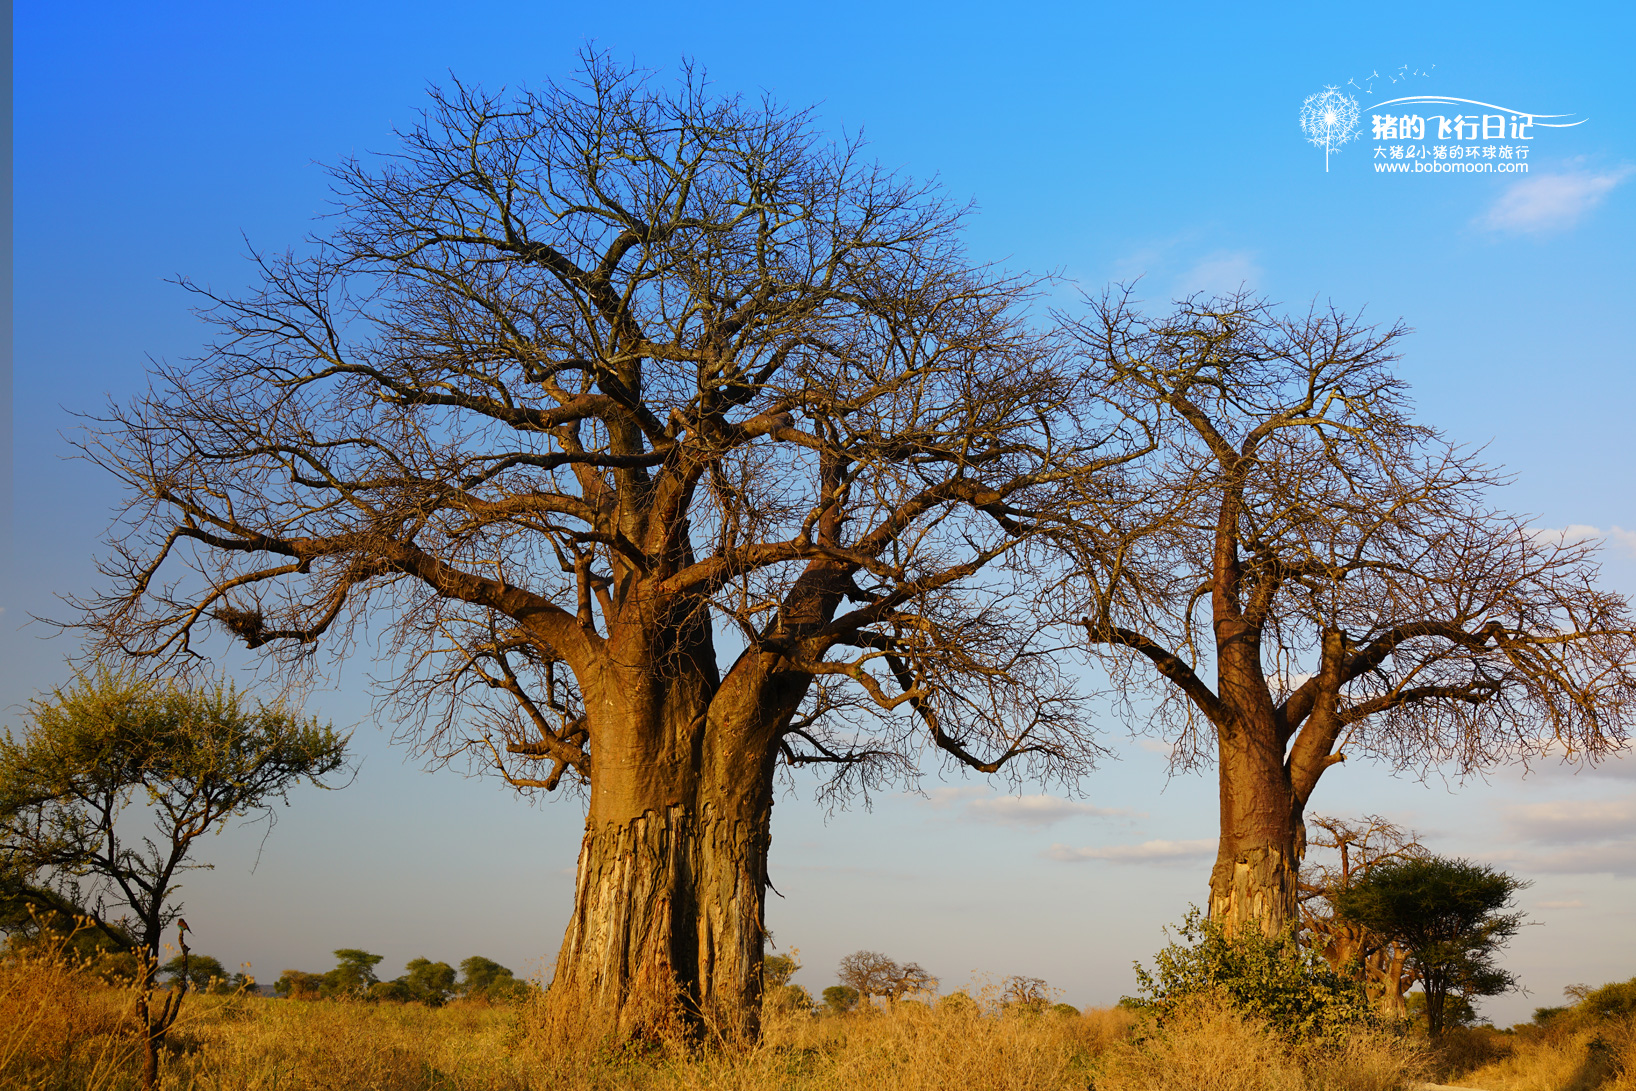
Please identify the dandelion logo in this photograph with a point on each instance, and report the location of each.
(1329, 119)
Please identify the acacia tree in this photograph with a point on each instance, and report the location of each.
(1337, 566)
(1447, 915)
(1349, 851)
(671, 442)
(102, 751)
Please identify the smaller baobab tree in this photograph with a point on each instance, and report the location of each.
(1337, 566)
(873, 974)
(1339, 854)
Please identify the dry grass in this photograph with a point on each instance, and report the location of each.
(1569, 1055)
(63, 1032)
(1209, 1046)
(55, 1019)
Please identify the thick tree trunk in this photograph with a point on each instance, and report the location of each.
(1253, 884)
(667, 932)
(1388, 982)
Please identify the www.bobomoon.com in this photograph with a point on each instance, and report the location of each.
(1420, 166)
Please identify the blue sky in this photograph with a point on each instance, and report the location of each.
(1101, 141)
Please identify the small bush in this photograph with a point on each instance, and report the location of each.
(840, 998)
(1610, 1001)
(1293, 990)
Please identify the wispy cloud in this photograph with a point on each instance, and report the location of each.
(1612, 858)
(941, 799)
(1616, 538)
(1180, 266)
(1033, 810)
(1572, 821)
(1221, 272)
(1148, 852)
(1552, 202)
(1038, 810)
(1576, 836)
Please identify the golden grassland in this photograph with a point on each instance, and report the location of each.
(59, 1029)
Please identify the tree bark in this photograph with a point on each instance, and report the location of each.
(667, 932)
(1253, 883)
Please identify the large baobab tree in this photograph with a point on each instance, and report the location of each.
(673, 442)
(1339, 570)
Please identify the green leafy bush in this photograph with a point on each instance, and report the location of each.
(1610, 1001)
(840, 998)
(484, 979)
(1293, 990)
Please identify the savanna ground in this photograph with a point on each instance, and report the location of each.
(61, 1029)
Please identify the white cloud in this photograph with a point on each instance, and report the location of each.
(1148, 852)
(1617, 538)
(1034, 810)
(1612, 858)
(1573, 821)
(1037, 810)
(1546, 202)
(1576, 836)
(1157, 746)
(941, 799)
(1221, 272)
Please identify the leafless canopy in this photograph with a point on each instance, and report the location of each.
(604, 376)
(874, 974)
(1336, 563)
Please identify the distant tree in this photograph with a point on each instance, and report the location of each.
(776, 989)
(111, 750)
(395, 991)
(868, 973)
(1449, 915)
(202, 973)
(776, 970)
(1611, 1001)
(430, 983)
(792, 998)
(840, 998)
(354, 973)
(1067, 1011)
(1339, 853)
(299, 985)
(484, 979)
(1031, 994)
(873, 974)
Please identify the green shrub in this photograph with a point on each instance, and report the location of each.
(841, 998)
(1294, 991)
(1610, 1001)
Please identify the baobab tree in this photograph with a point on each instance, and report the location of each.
(1347, 852)
(1337, 567)
(672, 443)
